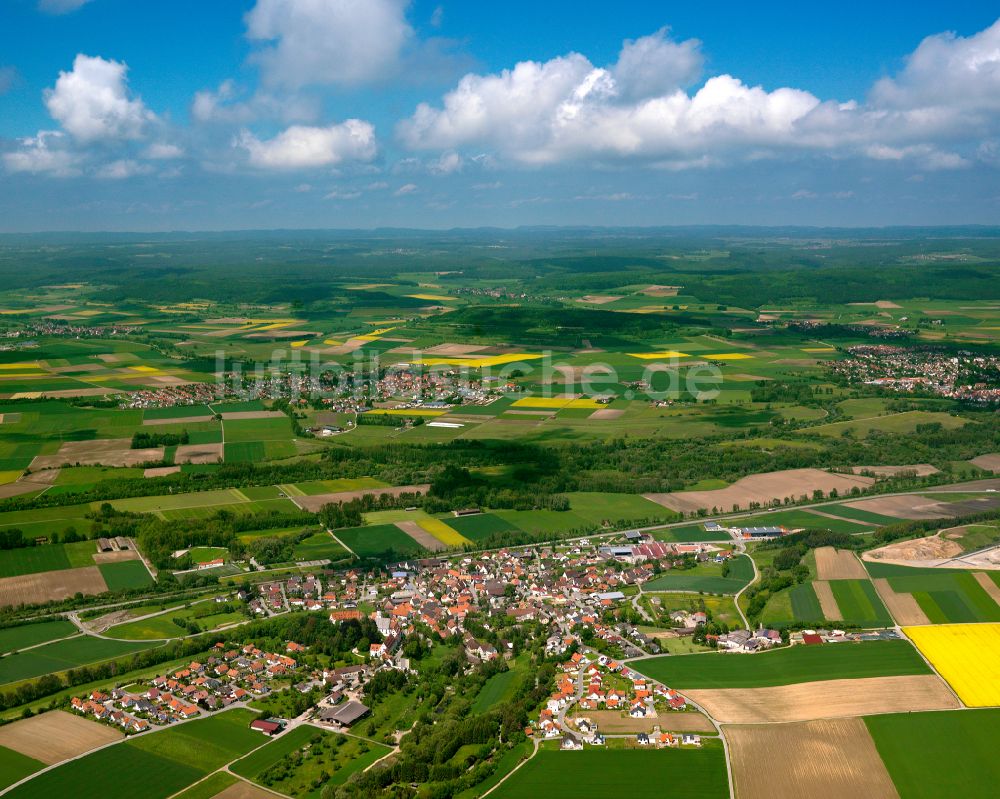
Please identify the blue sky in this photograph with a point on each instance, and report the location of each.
(123, 115)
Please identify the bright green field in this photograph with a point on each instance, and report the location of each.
(125, 574)
(13, 638)
(930, 755)
(633, 773)
(949, 597)
(375, 539)
(15, 767)
(162, 763)
(480, 526)
(599, 507)
(705, 577)
(787, 666)
(62, 655)
(860, 604)
(859, 514)
(318, 547)
(688, 534)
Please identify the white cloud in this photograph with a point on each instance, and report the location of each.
(122, 169)
(935, 113)
(92, 102)
(230, 104)
(60, 6)
(43, 153)
(947, 71)
(654, 65)
(162, 151)
(406, 188)
(327, 42)
(446, 164)
(341, 194)
(301, 146)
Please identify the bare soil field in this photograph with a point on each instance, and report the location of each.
(606, 414)
(990, 463)
(611, 721)
(988, 586)
(827, 601)
(661, 291)
(832, 758)
(161, 471)
(838, 564)
(452, 348)
(33, 589)
(99, 452)
(232, 416)
(903, 607)
(599, 299)
(931, 548)
(825, 699)
(116, 557)
(884, 304)
(181, 420)
(920, 469)
(421, 536)
(36, 481)
(761, 488)
(903, 507)
(317, 501)
(198, 453)
(56, 736)
(244, 790)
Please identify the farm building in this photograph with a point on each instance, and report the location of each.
(345, 715)
(761, 532)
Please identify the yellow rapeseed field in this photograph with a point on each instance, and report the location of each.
(432, 297)
(728, 356)
(966, 655)
(556, 403)
(649, 356)
(443, 533)
(474, 362)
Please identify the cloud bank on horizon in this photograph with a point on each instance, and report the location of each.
(655, 107)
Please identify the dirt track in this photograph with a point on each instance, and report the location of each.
(838, 564)
(826, 699)
(761, 488)
(55, 736)
(832, 759)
